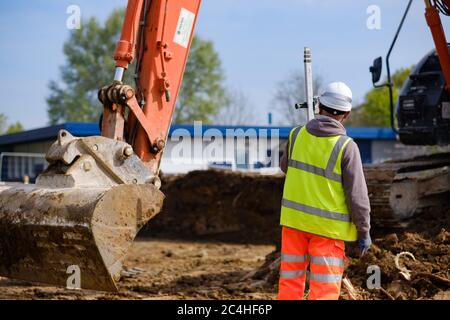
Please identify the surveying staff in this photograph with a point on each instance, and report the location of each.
(325, 200)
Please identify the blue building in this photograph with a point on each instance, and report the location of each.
(23, 153)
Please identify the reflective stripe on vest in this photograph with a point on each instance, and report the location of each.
(313, 197)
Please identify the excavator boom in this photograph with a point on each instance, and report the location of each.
(157, 35)
(87, 207)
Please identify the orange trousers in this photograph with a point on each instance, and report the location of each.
(325, 258)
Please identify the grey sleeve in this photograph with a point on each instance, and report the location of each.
(284, 158)
(356, 189)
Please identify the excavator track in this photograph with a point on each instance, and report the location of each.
(401, 189)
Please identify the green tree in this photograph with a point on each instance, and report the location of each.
(90, 65)
(202, 93)
(14, 128)
(3, 123)
(374, 111)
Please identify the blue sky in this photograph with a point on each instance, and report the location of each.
(259, 42)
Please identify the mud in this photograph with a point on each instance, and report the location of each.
(220, 205)
(216, 239)
(427, 239)
(168, 269)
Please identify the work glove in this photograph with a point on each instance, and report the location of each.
(364, 245)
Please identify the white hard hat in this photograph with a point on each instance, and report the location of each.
(337, 96)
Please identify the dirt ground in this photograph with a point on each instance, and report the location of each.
(428, 240)
(423, 251)
(216, 239)
(168, 269)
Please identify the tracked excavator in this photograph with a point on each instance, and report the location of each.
(85, 210)
(401, 189)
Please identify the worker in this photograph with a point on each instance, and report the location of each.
(325, 201)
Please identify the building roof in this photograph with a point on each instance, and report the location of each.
(49, 133)
(92, 129)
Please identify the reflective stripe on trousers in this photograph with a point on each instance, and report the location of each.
(325, 258)
(315, 260)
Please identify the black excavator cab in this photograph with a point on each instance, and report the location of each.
(423, 106)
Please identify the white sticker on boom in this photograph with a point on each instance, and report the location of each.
(184, 28)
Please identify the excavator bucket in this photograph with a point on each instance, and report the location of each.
(81, 216)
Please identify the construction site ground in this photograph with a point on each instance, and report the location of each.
(216, 239)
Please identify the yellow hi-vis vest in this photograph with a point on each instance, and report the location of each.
(313, 198)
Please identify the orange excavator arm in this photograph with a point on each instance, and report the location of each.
(437, 31)
(87, 207)
(157, 34)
